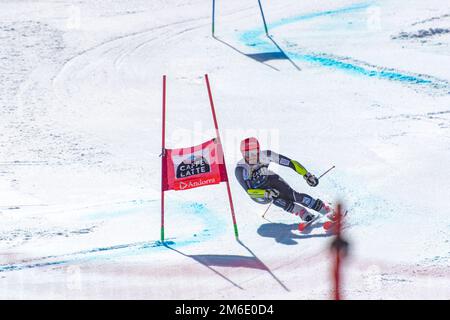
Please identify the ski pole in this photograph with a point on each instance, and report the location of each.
(264, 214)
(326, 172)
(266, 210)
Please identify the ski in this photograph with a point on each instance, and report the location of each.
(303, 225)
(328, 225)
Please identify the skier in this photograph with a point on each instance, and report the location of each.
(265, 186)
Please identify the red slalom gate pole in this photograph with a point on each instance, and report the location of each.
(163, 155)
(223, 156)
(337, 267)
(340, 247)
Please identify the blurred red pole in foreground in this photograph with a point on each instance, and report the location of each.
(339, 246)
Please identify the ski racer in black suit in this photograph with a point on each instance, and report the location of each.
(265, 186)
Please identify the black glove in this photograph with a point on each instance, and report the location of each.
(271, 194)
(311, 179)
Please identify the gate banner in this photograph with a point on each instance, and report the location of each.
(193, 167)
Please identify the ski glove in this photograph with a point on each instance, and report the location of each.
(311, 179)
(271, 194)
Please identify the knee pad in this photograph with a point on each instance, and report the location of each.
(284, 204)
(317, 206)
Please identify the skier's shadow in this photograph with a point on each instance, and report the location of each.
(215, 260)
(284, 233)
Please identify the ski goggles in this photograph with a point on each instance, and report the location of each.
(251, 153)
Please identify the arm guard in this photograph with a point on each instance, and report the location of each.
(298, 167)
(285, 161)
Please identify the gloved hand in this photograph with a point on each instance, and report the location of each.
(311, 179)
(271, 193)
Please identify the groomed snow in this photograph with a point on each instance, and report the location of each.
(363, 85)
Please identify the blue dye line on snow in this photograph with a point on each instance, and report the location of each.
(256, 38)
(215, 228)
(383, 74)
(253, 38)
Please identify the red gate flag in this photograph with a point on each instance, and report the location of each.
(193, 167)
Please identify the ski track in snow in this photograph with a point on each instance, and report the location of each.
(120, 48)
(213, 228)
(74, 70)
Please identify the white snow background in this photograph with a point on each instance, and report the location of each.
(363, 85)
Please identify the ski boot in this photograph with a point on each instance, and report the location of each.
(325, 210)
(304, 214)
(307, 217)
(330, 214)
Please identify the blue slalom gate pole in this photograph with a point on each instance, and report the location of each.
(264, 19)
(213, 15)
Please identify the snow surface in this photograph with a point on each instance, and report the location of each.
(363, 85)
